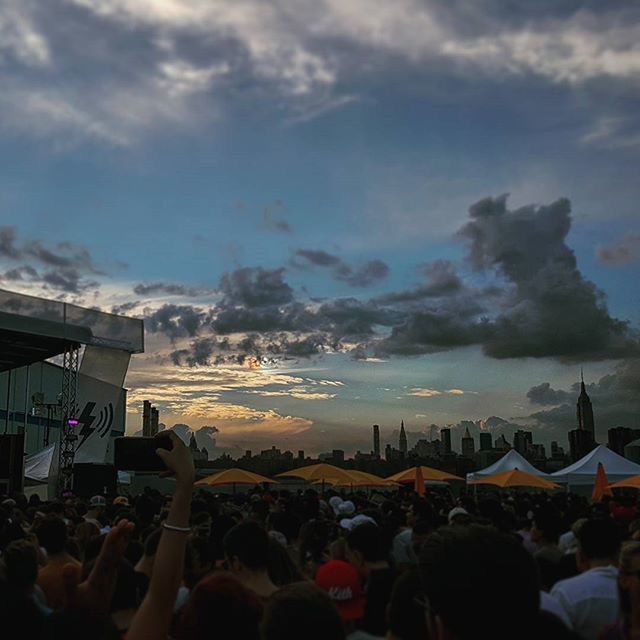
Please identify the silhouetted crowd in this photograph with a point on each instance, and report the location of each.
(279, 565)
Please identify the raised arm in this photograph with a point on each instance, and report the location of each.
(153, 618)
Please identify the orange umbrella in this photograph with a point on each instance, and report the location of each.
(516, 478)
(633, 482)
(428, 474)
(359, 479)
(601, 485)
(419, 484)
(234, 476)
(322, 471)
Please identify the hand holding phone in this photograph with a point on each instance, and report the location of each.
(139, 454)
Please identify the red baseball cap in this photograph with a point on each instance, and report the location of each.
(340, 580)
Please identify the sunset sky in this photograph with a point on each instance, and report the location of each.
(335, 213)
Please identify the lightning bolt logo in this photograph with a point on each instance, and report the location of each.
(86, 419)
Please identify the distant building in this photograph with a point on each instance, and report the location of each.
(538, 452)
(445, 438)
(619, 437)
(301, 455)
(376, 440)
(632, 451)
(271, 454)
(197, 454)
(522, 441)
(581, 442)
(468, 445)
(425, 449)
(402, 441)
(502, 444)
(584, 411)
(486, 443)
(556, 451)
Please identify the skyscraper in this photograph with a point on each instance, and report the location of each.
(522, 441)
(402, 445)
(376, 440)
(585, 410)
(486, 442)
(445, 436)
(468, 445)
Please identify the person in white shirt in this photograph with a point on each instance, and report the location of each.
(591, 599)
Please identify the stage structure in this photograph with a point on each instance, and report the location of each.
(34, 329)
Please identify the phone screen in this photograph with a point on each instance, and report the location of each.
(139, 454)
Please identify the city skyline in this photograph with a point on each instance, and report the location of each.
(344, 215)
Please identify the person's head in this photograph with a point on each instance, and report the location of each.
(52, 534)
(341, 582)
(301, 610)
(547, 525)
(405, 615)
(629, 577)
(97, 505)
(84, 532)
(280, 567)
(221, 606)
(364, 546)
(598, 542)
(246, 548)
(419, 534)
(419, 509)
(467, 572)
(21, 565)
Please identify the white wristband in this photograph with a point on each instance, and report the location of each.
(171, 527)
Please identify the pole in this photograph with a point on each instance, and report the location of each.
(6, 418)
(26, 398)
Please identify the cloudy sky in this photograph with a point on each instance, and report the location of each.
(334, 213)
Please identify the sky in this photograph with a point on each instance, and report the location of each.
(335, 213)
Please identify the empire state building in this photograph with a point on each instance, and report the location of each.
(585, 410)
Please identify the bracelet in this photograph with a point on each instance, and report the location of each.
(171, 527)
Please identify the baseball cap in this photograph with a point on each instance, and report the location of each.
(346, 508)
(334, 503)
(121, 500)
(457, 511)
(340, 580)
(352, 523)
(98, 501)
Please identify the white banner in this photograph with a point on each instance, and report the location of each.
(97, 402)
(38, 466)
(100, 381)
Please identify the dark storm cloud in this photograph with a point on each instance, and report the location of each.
(176, 321)
(543, 394)
(442, 280)
(199, 352)
(624, 251)
(168, 288)
(66, 265)
(554, 311)
(615, 399)
(363, 276)
(255, 287)
(8, 247)
(124, 307)
(21, 273)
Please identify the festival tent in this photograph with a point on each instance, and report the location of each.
(322, 471)
(510, 461)
(516, 478)
(583, 472)
(358, 479)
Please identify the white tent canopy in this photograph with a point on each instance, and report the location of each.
(584, 470)
(510, 461)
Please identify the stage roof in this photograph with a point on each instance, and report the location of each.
(33, 329)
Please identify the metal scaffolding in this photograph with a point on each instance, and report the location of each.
(69, 406)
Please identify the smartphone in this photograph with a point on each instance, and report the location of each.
(139, 454)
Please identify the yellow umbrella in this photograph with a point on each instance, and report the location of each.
(359, 479)
(633, 482)
(323, 472)
(428, 475)
(234, 477)
(516, 478)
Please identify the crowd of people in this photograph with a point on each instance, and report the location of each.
(279, 565)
